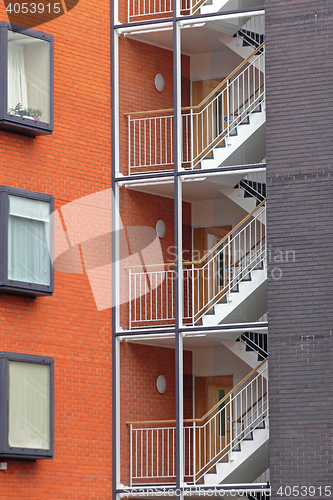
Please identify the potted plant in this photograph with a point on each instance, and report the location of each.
(30, 113)
(35, 113)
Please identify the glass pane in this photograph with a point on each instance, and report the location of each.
(28, 254)
(28, 77)
(28, 405)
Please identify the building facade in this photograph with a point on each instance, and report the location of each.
(55, 149)
(198, 408)
(190, 263)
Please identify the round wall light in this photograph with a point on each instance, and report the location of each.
(159, 82)
(161, 384)
(160, 228)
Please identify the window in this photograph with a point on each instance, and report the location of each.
(26, 69)
(26, 406)
(26, 242)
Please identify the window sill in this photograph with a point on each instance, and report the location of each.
(25, 126)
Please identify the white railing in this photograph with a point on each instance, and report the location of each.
(205, 282)
(253, 31)
(229, 262)
(254, 183)
(153, 452)
(211, 123)
(152, 296)
(207, 440)
(259, 346)
(152, 9)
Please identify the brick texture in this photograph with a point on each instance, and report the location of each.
(299, 185)
(70, 164)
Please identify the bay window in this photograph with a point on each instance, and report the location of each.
(27, 242)
(26, 96)
(26, 406)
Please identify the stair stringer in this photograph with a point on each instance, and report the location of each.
(233, 142)
(248, 462)
(250, 293)
(249, 357)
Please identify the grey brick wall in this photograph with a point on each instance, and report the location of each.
(299, 76)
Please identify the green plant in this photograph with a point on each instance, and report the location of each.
(35, 113)
(18, 110)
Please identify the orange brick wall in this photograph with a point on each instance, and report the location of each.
(139, 63)
(73, 162)
(140, 400)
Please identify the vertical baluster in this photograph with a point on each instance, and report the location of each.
(194, 452)
(173, 452)
(168, 448)
(131, 454)
(157, 451)
(231, 420)
(156, 297)
(150, 119)
(162, 469)
(161, 134)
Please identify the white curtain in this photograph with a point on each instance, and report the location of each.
(28, 405)
(17, 82)
(28, 234)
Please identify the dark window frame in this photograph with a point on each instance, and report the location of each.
(18, 124)
(14, 287)
(7, 452)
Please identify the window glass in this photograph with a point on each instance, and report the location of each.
(28, 405)
(28, 77)
(28, 234)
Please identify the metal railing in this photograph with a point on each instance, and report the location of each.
(205, 126)
(150, 9)
(205, 282)
(254, 184)
(207, 440)
(152, 296)
(253, 31)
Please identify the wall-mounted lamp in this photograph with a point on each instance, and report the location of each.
(161, 384)
(160, 228)
(159, 82)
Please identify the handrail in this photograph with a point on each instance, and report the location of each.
(197, 106)
(227, 235)
(197, 420)
(250, 407)
(211, 250)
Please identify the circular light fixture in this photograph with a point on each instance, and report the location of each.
(159, 82)
(160, 228)
(161, 384)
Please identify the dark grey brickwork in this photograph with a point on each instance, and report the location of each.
(299, 76)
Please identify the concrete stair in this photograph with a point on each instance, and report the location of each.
(247, 460)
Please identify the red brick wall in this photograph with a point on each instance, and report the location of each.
(72, 163)
(139, 63)
(140, 400)
(140, 210)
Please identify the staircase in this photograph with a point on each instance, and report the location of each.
(227, 126)
(249, 192)
(250, 347)
(227, 445)
(227, 285)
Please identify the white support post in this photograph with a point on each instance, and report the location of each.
(131, 456)
(229, 270)
(129, 144)
(117, 410)
(194, 453)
